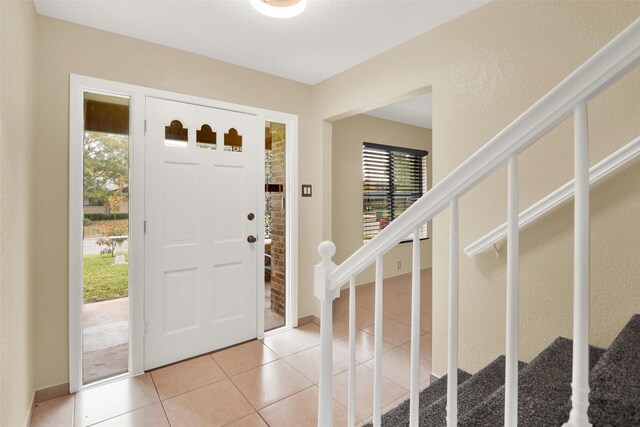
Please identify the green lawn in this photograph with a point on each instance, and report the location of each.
(103, 280)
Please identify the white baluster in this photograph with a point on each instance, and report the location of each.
(580, 381)
(415, 330)
(352, 353)
(322, 291)
(377, 362)
(511, 374)
(452, 376)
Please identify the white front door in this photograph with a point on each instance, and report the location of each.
(201, 190)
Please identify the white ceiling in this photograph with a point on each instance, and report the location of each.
(328, 38)
(416, 111)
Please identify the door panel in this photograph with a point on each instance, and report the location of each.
(228, 218)
(227, 295)
(181, 301)
(181, 207)
(201, 272)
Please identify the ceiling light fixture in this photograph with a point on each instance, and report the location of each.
(279, 8)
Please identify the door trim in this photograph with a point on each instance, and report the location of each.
(291, 219)
(137, 94)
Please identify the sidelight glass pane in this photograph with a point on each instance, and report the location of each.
(105, 311)
(275, 290)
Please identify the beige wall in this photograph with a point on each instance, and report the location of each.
(65, 48)
(348, 136)
(17, 47)
(485, 68)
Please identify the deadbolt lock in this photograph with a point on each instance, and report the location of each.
(251, 216)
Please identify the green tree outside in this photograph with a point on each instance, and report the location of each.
(106, 166)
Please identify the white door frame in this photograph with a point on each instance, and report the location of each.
(291, 221)
(137, 94)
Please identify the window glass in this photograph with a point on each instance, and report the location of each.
(393, 179)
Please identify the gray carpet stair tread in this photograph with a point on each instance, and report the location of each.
(615, 381)
(470, 394)
(399, 416)
(544, 391)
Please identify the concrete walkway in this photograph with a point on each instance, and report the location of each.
(105, 339)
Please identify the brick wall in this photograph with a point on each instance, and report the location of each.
(278, 229)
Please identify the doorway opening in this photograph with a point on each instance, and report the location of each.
(201, 250)
(393, 145)
(130, 127)
(275, 280)
(105, 251)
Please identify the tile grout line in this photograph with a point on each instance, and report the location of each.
(262, 418)
(121, 414)
(243, 395)
(358, 420)
(281, 399)
(248, 369)
(197, 388)
(161, 401)
(255, 367)
(257, 410)
(245, 416)
(279, 357)
(284, 398)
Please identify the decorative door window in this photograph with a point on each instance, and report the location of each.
(176, 135)
(232, 141)
(206, 138)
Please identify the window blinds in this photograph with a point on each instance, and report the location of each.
(393, 178)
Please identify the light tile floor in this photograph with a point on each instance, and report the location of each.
(270, 382)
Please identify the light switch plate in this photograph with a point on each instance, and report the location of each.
(306, 190)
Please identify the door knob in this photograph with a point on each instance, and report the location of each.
(251, 239)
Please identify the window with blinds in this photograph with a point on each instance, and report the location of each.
(393, 178)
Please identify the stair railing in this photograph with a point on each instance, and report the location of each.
(598, 171)
(570, 96)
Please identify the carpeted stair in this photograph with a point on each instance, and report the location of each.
(615, 381)
(471, 393)
(544, 389)
(399, 416)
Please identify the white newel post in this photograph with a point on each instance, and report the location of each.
(322, 272)
(580, 381)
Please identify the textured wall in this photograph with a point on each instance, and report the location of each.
(65, 48)
(486, 68)
(17, 47)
